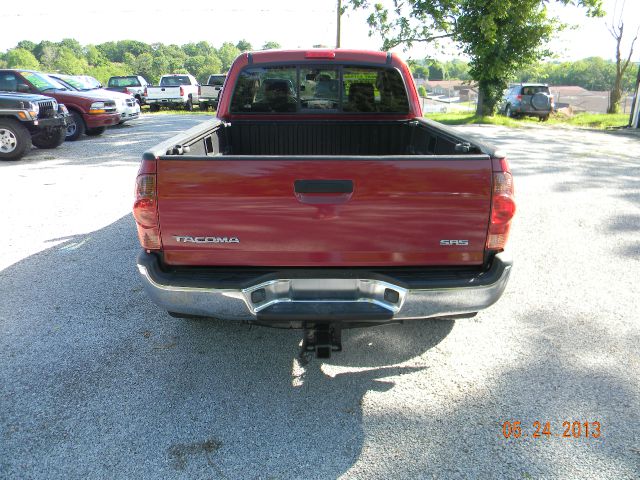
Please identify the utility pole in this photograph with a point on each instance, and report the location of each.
(339, 14)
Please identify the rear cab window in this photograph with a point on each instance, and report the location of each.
(319, 89)
(216, 80)
(124, 82)
(175, 81)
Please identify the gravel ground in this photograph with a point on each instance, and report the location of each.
(96, 382)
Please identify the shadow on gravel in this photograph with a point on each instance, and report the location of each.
(96, 382)
(561, 373)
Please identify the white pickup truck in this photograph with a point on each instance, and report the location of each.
(210, 92)
(174, 90)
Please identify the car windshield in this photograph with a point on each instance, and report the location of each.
(124, 82)
(43, 82)
(317, 89)
(175, 81)
(77, 83)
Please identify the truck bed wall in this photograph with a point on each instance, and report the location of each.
(324, 138)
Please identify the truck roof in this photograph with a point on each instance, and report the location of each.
(325, 57)
(336, 55)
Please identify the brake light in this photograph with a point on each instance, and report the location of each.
(145, 91)
(182, 91)
(320, 54)
(145, 207)
(503, 206)
(518, 97)
(126, 90)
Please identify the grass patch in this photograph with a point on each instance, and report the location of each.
(584, 120)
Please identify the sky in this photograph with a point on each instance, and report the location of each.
(293, 24)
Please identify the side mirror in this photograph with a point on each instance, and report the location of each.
(23, 88)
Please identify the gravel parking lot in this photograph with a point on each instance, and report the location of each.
(96, 382)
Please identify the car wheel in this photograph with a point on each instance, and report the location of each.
(203, 106)
(508, 112)
(52, 138)
(76, 128)
(189, 105)
(15, 140)
(154, 107)
(544, 118)
(94, 132)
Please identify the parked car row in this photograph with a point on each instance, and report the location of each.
(46, 109)
(183, 90)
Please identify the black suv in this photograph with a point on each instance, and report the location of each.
(528, 99)
(27, 119)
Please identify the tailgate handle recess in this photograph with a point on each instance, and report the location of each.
(323, 186)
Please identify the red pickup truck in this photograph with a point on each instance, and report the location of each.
(320, 198)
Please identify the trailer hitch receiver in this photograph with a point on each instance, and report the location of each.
(323, 339)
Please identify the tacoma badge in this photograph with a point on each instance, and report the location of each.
(187, 239)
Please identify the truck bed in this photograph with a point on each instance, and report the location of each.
(323, 138)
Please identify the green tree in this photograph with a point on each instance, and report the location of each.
(227, 54)
(46, 53)
(271, 46)
(73, 46)
(200, 48)
(202, 66)
(68, 62)
(21, 58)
(420, 71)
(142, 65)
(499, 36)
(457, 69)
(27, 45)
(244, 46)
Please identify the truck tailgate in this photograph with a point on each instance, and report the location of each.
(324, 211)
(154, 93)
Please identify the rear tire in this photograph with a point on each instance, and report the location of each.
(544, 118)
(507, 112)
(15, 140)
(94, 132)
(154, 107)
(75, 129)
(189, 105)
(203, 106)
(51, 139)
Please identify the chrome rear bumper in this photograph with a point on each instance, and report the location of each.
(342, 295)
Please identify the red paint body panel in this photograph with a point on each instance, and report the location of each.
(398, 213)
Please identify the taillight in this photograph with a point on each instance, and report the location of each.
(126, 90)
(145, 209)
(145, 91)
(503, 206)
(182, 91)
(518, 97)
